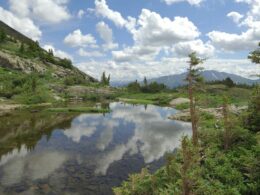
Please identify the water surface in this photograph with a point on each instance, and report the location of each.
(45, 153)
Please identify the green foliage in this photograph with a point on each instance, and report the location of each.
(134, 87)
(153, 87)
(79, 109)
(252, 120)
(30, 50)
(24, 88)
(229, 82)
(74, 80)
(207, 169)
(66, 63)
(182, 106)
(105, 80)
(22, 48)
(255, 55)
(3, 35)
(162, 98)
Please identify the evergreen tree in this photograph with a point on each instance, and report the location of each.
(33, 83)
(253, 118)
(22, 49)
(3, 35)
(108, 80)
(50, 52)
(194, 81)
(145, 82)
(189, 167)
(134, 87)
(104, 79)
(229, 82)
(254, 56)
(227, 123)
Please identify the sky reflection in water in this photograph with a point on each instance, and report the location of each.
(93, 153)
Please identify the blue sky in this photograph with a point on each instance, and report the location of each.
(137, 38)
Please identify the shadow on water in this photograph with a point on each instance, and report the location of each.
(46, 153)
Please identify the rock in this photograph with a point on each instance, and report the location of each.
(179, 101)
(80, 91)
(181, 116)
(15, 62)
(7, 108)
(184, 115)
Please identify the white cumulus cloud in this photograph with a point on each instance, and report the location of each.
(82, 52)
(81, 13)
(77, 39)
(183, 49)
(235, 16)
(106, 33)
(191, 2)
(157, 31)
(22, 24)
(47, 11)
(102, 9)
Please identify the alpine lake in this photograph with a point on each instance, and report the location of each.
(77, 153)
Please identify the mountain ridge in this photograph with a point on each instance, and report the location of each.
(39, 60)
(176, 80)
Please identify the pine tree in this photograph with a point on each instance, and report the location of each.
(34, 83)
(103, 78)
(194, 81)
(253, 119)
(229, 82)
(50, 52)
(108, 80)
(190, 166)
(3, 35)
(22, 49)
(145, 82)
(227, 123)
(254, 56)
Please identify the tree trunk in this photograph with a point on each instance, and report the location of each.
(226, 125)
(192, 110)
(185, 167)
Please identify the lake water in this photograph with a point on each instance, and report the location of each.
(45, 153)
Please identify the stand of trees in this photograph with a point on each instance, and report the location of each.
(153, 87)
(105, 80)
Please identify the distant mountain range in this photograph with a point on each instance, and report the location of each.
(176, 80)
(172, 81)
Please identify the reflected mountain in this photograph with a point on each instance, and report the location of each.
(48, 153)
(20, 131)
